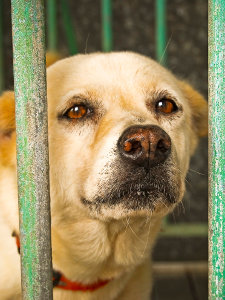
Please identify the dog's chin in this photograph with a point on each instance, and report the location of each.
(130, 201)
(136, 192)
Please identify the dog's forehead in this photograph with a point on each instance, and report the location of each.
(123, 73)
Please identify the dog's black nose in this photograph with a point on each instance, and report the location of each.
(146, 146)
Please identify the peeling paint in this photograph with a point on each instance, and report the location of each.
(32, 148)
(216, 149)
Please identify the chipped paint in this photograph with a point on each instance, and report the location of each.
(216, 149)
(32, 148)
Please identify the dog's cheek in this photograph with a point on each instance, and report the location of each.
(102, 169)
(66, 163)
(193, 141)
(183, 142)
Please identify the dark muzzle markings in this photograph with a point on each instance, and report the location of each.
(143, 173)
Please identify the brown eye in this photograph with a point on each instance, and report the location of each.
(166, 106)
(77, 111)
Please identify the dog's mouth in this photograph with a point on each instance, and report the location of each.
(144, 193)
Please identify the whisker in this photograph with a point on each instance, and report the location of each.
(126, 225)
(167, 45)
(133, 231)
(146, 243)
(86, 43)
(174, 217)
(188, 182)
(194, 171)
(180, 209)
(162, 202)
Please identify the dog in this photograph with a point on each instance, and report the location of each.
(122, 130)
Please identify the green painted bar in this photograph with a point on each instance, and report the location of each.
(216, 149)
(185, 230)
(52, 25)
(107, 36)
(1, 48)
(161, 31)
(32, 148)
(68, 27)
(160, 37)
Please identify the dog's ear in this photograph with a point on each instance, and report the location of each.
(7, 129)
(7, 113)
(52, 57)
(199, 108)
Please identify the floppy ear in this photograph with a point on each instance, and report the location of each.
(7, 129)
(7, 113)
(199, 109)
(52, 57)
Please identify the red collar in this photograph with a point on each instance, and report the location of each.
(60, 281)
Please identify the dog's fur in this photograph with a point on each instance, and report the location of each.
(103, 224)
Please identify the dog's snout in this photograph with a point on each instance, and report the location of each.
(145, 146)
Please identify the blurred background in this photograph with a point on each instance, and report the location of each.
(180, 255)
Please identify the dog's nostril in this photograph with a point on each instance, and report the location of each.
(163, 146)
(127, 146)
(132, 146)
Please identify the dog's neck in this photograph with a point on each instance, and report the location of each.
(60, 281)
(89, 249)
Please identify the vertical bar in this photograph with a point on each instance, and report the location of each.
(216, 149)
(52, 25)
(107, 42)
(161, 31)
(68, 27)
(32, 148)
(160, 37)
(1, 48)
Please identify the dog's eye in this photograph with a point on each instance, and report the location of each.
(166, 106)
(77, 111)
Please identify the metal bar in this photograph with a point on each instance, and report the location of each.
(107, 39)
(68, 27)
(1, 48)
(161, 31)
(185, 230)
(32, 148)
(52, 25)
(216, 149)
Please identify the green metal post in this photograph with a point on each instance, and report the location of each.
(216, 149)
(1, 48)
(161, 31)
(52, 25)
(68, 27)
(32, 148)
(160, 37)
(107, 42)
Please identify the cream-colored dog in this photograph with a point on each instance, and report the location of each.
(121, 132)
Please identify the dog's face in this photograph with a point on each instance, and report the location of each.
(121, 131)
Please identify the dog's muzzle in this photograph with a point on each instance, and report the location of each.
(144, 146)
(143, 176)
